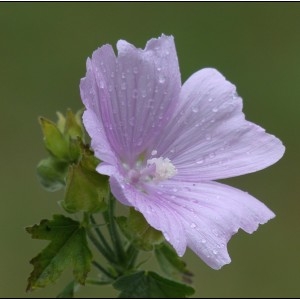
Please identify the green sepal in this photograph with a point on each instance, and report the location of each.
(171, 264)
(73, 126)
(51, 173)
(86, 190)
(139, 232)
(68, 246)
(150, 285)
(54, 140)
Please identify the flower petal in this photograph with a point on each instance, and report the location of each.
(136, 93)
(210, 214)
(99, 143)
(209, 138)
(156, 211)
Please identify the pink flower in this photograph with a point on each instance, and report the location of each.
(164, 144)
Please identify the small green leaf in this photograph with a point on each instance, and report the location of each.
(150, 285)
(69, 290)
(51, 173)
(171, 264)
(137, 230)
(54, 140)
(85, 190)
(68, 246)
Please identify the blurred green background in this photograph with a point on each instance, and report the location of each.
(255, 45)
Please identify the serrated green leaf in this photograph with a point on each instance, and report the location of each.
(136, 229)
(150, 285)
(68, 246)
(51, 173)
(171, 264)
(54, 140)
(85, 190)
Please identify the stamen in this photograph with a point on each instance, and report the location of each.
(164, 169)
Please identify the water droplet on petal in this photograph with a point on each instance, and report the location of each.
(161, 79)
(203, 241)
(193, 225)
(123, 86)
(215, 252)
(215, 109)
(212, 155)
(208, 137)
(135, 70)
(215, 232)
(123, 75)
(195, 109)
(144, 93)
(154, 152)
(199, 162)
(210, 99)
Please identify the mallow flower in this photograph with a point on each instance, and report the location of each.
(164, 145)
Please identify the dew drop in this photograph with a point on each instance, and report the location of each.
(210, 99)
(161, 79)
(175, 189)
(123, 86)
(193, 225)
(123, 75)
(215, 110)
(154, 152)
(195, 109)
(158, 69)
(203, 241)
(144, 93)
(215, 232)
(208, 137)
(112, 74)
(199, 162)
(212, 155)
(215, 252)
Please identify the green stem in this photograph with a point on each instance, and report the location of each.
(98, 245)
(132, 254)
(97, 282)
(103, 270)
(115, 238)
(100, 235)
